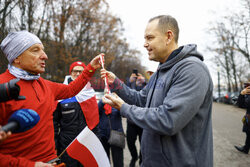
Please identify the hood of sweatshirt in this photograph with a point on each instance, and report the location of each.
(187, 51)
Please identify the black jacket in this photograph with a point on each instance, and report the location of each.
(69, 121)
(244, 102)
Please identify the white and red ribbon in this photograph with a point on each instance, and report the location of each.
(105, 79)
(107, 107)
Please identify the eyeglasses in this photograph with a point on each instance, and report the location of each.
(77, 71)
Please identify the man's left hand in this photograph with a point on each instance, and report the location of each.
(113, 100)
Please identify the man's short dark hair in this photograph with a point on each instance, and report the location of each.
(167, 22)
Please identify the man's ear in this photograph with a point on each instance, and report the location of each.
(169, 36)
(16, 61)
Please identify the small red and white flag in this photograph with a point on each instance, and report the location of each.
(88, 150)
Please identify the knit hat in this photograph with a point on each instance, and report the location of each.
(77, 63)
(16, 43)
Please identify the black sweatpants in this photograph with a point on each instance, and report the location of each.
(132, 132)
(247, 142)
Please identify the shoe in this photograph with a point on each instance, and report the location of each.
(132, 163)
(242, 149)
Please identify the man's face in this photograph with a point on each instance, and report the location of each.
(32, 60)
(76, 71)
(155, 42)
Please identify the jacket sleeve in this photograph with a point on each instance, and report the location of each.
(189, 91)
(130, 96)
(129, 84)
(241, 101)
(8, 160)
(62, 91)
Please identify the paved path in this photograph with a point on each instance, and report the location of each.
(227, 132)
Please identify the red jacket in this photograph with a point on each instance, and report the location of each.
(37, 144)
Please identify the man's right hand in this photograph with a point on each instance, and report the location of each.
(110, 76)
(246, 91)
(42, 164)
(133, 77)
(95, 62)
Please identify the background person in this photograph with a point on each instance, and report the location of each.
(72, 115)
(136, 81)
(174, 108)
(244, 102)
(26, 56)
(104, 127)
(150, 71)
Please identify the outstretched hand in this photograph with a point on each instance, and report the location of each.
(110, 76)
(95, 62)
(113, 100)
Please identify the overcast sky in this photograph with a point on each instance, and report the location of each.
(193, 16)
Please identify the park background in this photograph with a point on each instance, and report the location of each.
(80, 29)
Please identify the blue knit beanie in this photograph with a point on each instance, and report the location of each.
(16, 43)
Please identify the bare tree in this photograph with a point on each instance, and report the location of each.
(70, 30)
(232, 49)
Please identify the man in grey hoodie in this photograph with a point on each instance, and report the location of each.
(175, 107)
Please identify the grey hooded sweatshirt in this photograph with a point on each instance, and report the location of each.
(174, 110)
